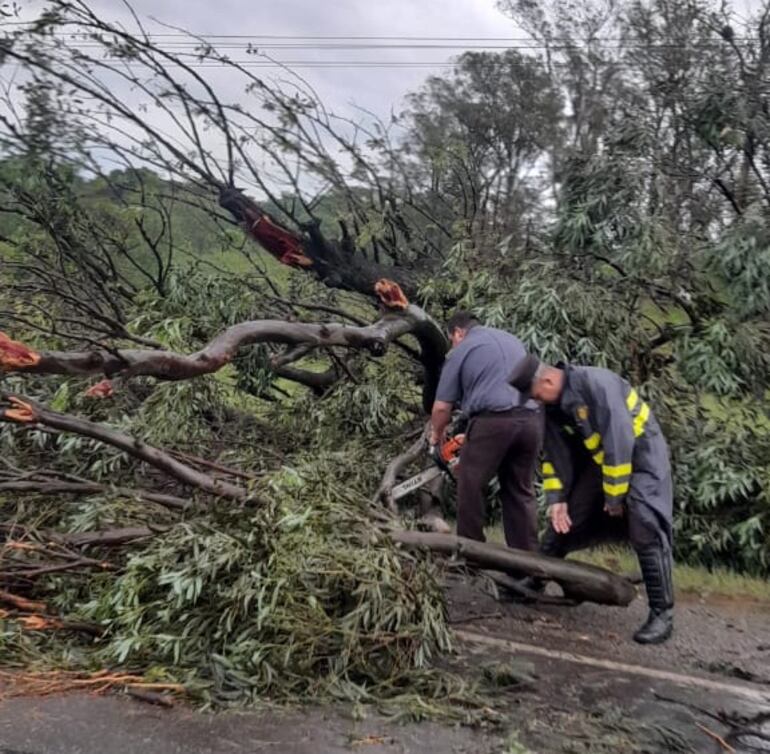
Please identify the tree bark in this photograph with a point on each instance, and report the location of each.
(578, 580)
(335, 264)
(28, 412)
(57, 487)
(21, 603)
(108, 537)
(168, 365)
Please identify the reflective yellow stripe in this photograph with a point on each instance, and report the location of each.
(592, 442)
(548, 469)
(599, 457)
(624, 469)
(641, 420)
(552, 484)
(632, 399)
(616, 489)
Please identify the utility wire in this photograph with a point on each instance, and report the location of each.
(400, 41)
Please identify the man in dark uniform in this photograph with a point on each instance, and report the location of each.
(503, 437)
(606, 473)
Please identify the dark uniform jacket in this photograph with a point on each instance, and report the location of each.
(601, 419)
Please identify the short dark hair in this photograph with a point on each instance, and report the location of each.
(461, 320)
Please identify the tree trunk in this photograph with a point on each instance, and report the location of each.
(578, 580)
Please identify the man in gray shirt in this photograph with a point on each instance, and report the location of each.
(503, 437)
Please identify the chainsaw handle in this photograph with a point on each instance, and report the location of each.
(434, 451)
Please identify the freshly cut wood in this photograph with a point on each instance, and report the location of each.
(580, 581)
(21, 603)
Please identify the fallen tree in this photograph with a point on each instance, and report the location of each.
(239, 557)
(579, 581)
(402, 319)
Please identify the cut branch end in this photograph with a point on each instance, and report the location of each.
(15, 355)
(390, 294)
(20, 412)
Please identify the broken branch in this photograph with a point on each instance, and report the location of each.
(578, 580)
(156, 457)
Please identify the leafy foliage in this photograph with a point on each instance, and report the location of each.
(608, 203)
(301, 598)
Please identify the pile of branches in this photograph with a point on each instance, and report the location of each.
(232, 585)
(237, 586)
(300, 596)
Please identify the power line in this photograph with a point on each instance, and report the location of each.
(362, 64)
(408, 41)
(396, 38)
(174, 46)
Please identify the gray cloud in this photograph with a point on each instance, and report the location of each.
(377, 89)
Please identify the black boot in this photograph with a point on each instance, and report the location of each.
(553, 545)
(532, 584)
(655, 562)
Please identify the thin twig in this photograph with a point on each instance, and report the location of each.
(710, 733)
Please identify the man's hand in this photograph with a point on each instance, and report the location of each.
(439, 420)
(560, 519)
(616, 511)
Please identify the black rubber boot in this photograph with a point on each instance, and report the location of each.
(655, 562)
(552, 545)
(532, 584)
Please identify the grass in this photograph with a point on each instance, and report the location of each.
(514, 746)
(688, 579)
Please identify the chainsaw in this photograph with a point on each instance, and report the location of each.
(445, 460)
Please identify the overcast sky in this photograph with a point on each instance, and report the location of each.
(379, 88)
(447, 27)
(376, 88)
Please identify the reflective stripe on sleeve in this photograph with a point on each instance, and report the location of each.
(632, 399)
(624, 469)
(552, 484)
(616, 490)
(641, 419)
(593, 442)
(548, 469)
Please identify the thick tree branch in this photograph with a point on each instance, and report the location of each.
(62, 487)
(579, 580)
(26, 411)
(108, 537)
(167, 365)
(318, 382)
(331, 261)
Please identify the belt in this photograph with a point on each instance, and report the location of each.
(499, 414)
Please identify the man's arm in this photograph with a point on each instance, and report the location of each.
(439, 419)
(448, 392)
(557, 475)
(618, 438)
